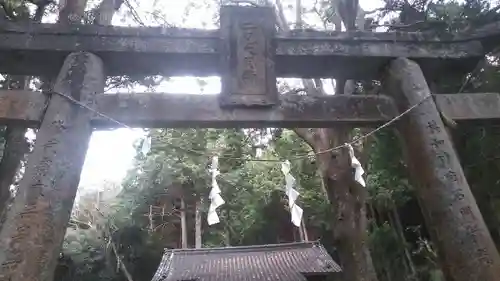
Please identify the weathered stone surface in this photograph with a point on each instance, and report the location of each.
(470, 107)
(152, 110)
(183, 110)
(179, 110)
(457, 228)
(31, 238)
(247, 54)
(39, 49)
(22, 107)
(488, 34)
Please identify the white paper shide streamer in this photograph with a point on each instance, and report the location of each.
(146, 145)
(292, 194)
(214, 196)
(358, 172)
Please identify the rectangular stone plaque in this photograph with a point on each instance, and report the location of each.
(247, 57)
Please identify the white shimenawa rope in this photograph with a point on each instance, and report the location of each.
(358, 173)
(292, 194)
(214, 196)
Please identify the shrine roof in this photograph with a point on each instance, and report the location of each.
(277, 262)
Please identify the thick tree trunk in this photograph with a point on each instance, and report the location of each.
(465, 247)
(348, 200)
(184, 242)
(71, 11)
(106, 10)
(347, 197)
(197, 224)
(349, 227)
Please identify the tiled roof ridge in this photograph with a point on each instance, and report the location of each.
(251, 248)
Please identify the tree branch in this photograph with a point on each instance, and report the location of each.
(306, 135)
(8, 12)
(309, 85)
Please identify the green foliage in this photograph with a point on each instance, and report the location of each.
(384, 243)
(87, 250)
(387, 180)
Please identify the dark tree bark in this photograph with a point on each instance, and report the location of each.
(71, 11)
(197, 224)
(184, 242)
(106, 10)
(348, 198)
(401, 236)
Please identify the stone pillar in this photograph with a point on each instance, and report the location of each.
(33, 233)
(466, 250)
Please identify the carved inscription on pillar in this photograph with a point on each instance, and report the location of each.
(466, 249)
(247, 56)
(33, 232)
(471, 239)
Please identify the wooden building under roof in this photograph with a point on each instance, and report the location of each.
(302, 261)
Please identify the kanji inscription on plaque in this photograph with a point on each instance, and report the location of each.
(247, 56)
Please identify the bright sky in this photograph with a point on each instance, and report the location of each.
(111, 153)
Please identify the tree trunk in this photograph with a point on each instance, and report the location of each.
(71, 11)
(227, 227)
(184, 243)
(150, 218)
(301, 233)
(106, 10)
(401, 236)
(346, 196)
(298, 14)
(373, 215)
(304, 230)
(348, 200)
(197, 224)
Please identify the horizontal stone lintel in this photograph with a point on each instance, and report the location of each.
(39, 49)
(155, 110)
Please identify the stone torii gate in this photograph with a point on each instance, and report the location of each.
(248, 54)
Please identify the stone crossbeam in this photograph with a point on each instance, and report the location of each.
(157, 110)
(39, 49)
